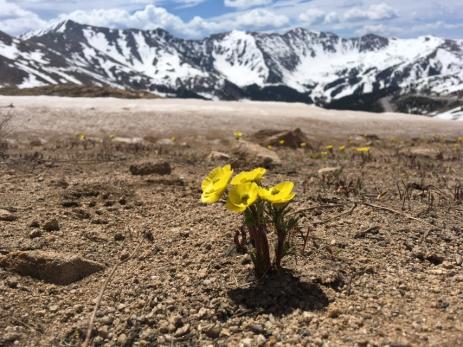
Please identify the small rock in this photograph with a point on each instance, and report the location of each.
(70, 203)
(287, 138)
(458, 259)
(183, 330)
(334, 312)
(217, 156)
(422, 152)
(34, 224)
(122, 339)
(260, 340)
(330, 171)
(54, 308)
(257, 154)
(51, 225)
(9, 337)
(247, 342)
(52, 267)
(148, 168)
(7, 216)
(35, 233)
(202, 313)
(176, 321)
(12, 282)
(212, 332)
(119, 237)
(165, 142)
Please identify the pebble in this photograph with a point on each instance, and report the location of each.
(35, 233)
(183, 330)
(7, 216)
(51, 225)
(212, 332)
(54, 308)
(334, 312)
(122, 339)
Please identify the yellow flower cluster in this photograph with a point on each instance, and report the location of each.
(460, 139)
(238, 134)
(362, 149)
(245, 189)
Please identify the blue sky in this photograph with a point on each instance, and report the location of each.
(199, 18)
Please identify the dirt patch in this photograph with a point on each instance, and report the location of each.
(378, 261)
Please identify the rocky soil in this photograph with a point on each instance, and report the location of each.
(382, 264)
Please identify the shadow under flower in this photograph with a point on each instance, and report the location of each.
(280, 294)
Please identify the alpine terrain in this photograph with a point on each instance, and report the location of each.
(373, 73)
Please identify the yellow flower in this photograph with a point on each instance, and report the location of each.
(249, 176)
(269, 147)
(324, 154)
(329, 148)
(460, 139)
(238, 134)
(81, 136)
(303, 144)
(279, 194)
(242, 196)
(281, 142)
(215, 183)
(342, 148)
(362, 149)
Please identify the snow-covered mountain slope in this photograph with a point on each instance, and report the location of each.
(298, 65)
(453, 114)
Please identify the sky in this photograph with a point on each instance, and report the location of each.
(199, 18)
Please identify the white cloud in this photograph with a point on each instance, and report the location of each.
(312, 16)
(375, 12)
(189, 3)
(261, 18)
(16, 20)
(242, 4)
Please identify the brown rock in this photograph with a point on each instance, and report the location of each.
(422, 152)
(288, 138)
(52, 267)
(330, 171)
(51, 225)
(257, 154)
(217, 156)
(7, 216)
(148, 168)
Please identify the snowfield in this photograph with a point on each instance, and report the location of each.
(46, 116)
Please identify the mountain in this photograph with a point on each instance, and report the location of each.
(370, 72)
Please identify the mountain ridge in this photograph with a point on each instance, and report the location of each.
(298, 65)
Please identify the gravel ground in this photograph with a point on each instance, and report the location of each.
(370, 274)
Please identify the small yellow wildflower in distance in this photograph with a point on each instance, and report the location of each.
(241, 196)
(342, 148)
(324, 154)
(81, 137)
(282, 142)
(362, 149)
(249, 176)
(460, 139)
(282, 193)
(238, 134)
(329, 148)
(215, 184)
(303, 145)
